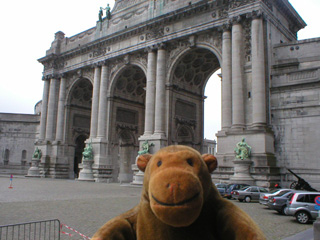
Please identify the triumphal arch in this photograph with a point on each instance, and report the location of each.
(139, 75)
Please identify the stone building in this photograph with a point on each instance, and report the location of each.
(139, 75)
(18, 133)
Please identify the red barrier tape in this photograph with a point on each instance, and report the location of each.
(69, 234)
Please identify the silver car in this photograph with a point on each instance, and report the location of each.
(248, 193)
(302, 205)
(264, 197)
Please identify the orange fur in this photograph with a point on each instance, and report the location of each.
(179, 202)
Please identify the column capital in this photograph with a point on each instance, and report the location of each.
(50, 76)
(161, 46)
(226, 26)
(151, 48)
(104, 63)
(96, 65)
(63, 75)
(256, 14)
(236, 20)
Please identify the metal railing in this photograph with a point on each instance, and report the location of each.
(41, 230)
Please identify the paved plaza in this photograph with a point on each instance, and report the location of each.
(86, 206)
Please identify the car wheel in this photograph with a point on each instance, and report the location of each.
(247, 199)
(302, 217)
(283, 210)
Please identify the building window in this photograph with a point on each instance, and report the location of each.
(23, 157)
(6, 156)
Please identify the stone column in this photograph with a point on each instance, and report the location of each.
(258, 72)
(95, 102)
(160, 105)
(103, 102)
(226, 78)
(238, 120)
(51, 116)
(150, 93)
(61, 110)
(43, 119)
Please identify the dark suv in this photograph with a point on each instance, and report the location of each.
(233, 187)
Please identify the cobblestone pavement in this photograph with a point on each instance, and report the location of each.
(86, 206)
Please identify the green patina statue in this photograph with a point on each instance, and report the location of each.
(108, 13)
(243, 150)
(145, 148)
(88, 153)
(100, 14)
(37, 153)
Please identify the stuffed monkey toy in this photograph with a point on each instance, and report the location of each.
(180, 202)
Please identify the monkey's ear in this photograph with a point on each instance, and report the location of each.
(142, 161)
(211, 162)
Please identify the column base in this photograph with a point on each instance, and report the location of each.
(102, 173)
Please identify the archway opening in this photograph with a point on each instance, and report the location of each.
(128, 105)
(212, 106)
(78, 120)
(79, 147)
(190, 76)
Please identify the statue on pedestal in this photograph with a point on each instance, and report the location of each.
(88, 153)
(108, 13)
(145, 148)
(37, 154)
(243, 150)
(86, 172)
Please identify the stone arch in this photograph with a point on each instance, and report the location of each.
(127, 108)
(78, 118)
(188, 77)
(124, 76)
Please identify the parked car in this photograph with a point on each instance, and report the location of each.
(232, 187)
(302, 206)
(248, 194)
(279, 202)
(264, 197)
(222, 188)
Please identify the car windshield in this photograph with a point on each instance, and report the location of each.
(244, 188)
(275, 190)
(263, 190)
(282, 193)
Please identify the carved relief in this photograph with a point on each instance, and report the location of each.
(154, 33)
(247, 39)
(193, 69)
(129, 15)
(81, 94)
(131, 84)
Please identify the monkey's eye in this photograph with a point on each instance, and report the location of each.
(190, 162)
(159, 163)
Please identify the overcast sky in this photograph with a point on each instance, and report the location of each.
(28, 28)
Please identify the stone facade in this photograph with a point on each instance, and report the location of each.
(295, 109)
(18, 132)
(140, 76)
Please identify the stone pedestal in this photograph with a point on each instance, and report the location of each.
(86, 173)
(34, 170)
(242, 172)
(138, 175)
